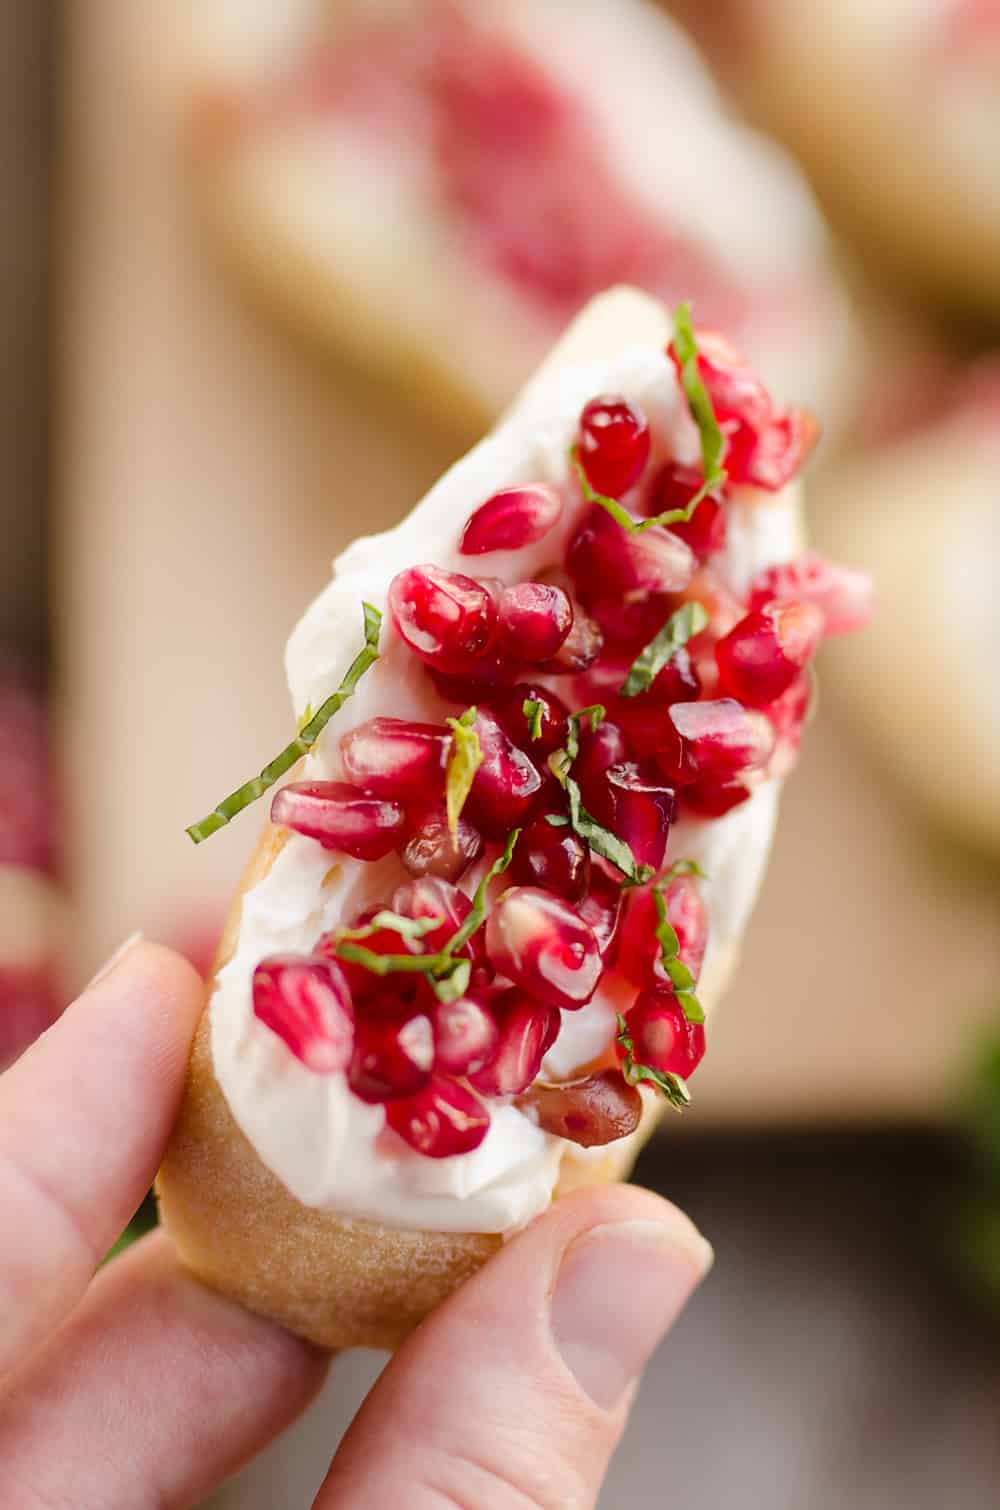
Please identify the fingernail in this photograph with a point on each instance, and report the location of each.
(115, 959)
(620, 1288)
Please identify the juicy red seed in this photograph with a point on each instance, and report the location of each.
(340, 817)
(442, 1119)
(535, 619)
(579, 649)
(510, 519)
(842, 593)
(430, 849)
(674, 488)
(393, 1054)
(600, 749)
(510, 714)
(661, 1035)
(490, 676)
(604, 559)
(614, 444)
(737, 393)
(717, 738)
(540, 943)
(392, 757)
(505, 786)
(527, 1030)
(778, 452)
(447, 619)
(713, 796)
(676, 682)
(638, 955)
(763, 654)
(555, 858)
(591, 1111)
(307, 1003)
(643, 807)
(365, 983)
(788, 713)
(601, 908)
(465, 1036)
(630, 624)
(430, 897)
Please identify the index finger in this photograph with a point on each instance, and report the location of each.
(84, 1118)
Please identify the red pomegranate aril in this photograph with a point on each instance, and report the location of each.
(628, 624)
(307, 1003)
(662, 1037)
(676, 682)
(638, 955)
(643, 808)
(552, 857)
(714, 796)
(788, 713)
(718, 737)
(605, 559)
(430, 849)
(600, 749)
(539, 942)
(393, 1054)
(601, 908)
(579, 649)
(613, 445)
(535, 619)
(510, 519)
(509, 712)
(763, 654)
(674, 488)
(430, 897)
(843, 594)
(444, 1118)
(465, 1036)
(364, 983)
(484, 679)
(779, 451)
(527, 1030)
(340, 816)
(506, 785)
(447, 619)
(591, 1111)
(393, 757)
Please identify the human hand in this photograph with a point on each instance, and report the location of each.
(140, 1388)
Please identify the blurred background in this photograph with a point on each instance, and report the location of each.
(267, 269)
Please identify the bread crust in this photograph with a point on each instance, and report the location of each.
(338, 1281)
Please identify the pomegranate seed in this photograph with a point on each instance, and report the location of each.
(601, 908)
(493, 673)
(788, 713)
(393, 1054)
(430, 897)
(638, 956)
(308, 1004)
(391, 757)
(442, 1119)
(764, 653)
(579, 649)
(465, 1036)
(676, 682)
(716, 738)
(600, 749)
(527, 1030)
(675, 486)
(509, 711)
(714, 796)
(843, 594)
(430, 849)
(340, 816)
(365, 983)
(506, 785)
(614, 444)
(738, 395)
(779, 452)
(591, 1111)
(535, 619)
(662, 1036)
(542, 945)
(643, 808)
(447, 619)
(510, 519)
(604, 559)
(555, 858)
(629, 625)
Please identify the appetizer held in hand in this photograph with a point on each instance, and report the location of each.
(542, 730)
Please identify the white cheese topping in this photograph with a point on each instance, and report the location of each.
(329, 1148)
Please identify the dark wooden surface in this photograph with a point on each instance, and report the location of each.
(830, 1361)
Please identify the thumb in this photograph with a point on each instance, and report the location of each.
(516, 1390)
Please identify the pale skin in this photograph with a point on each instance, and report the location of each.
(140, 1389)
